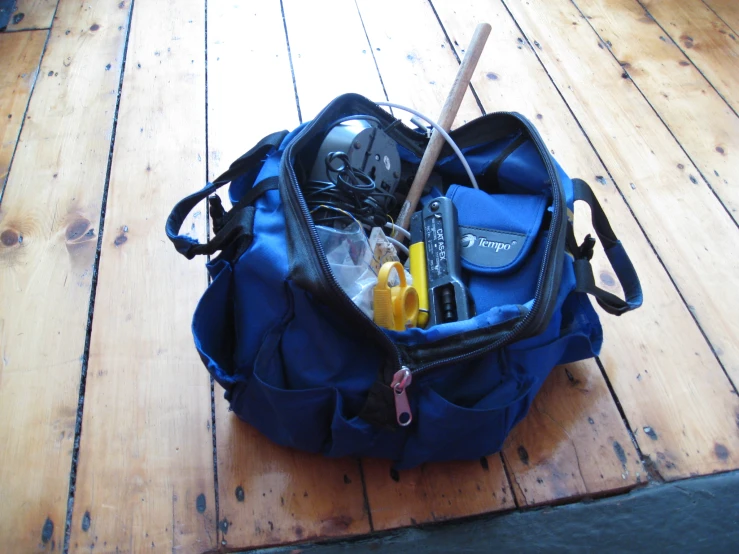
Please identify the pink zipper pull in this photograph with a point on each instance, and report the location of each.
(401, 380)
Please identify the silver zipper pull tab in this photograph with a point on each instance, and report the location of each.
(401, 380)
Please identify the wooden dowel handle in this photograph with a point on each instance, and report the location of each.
(448, 113)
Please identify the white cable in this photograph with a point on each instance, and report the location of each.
(397, 229)
(399, 245)
(442, 132)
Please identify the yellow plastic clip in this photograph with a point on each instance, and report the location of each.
(395, 308)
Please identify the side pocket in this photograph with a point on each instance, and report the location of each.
(350, 436)
(582, 325)
(447, 431)
(297, 418)
(213, 328)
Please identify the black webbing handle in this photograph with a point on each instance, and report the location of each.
(622, 266)
(240, 219)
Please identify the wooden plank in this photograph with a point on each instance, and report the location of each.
(573, 442)
(702, 122)
(392, 503)
(420, 78)
(33, 14)
(435, 492)
(694, 237)
(331, 62)
(574, 417)
(145, 478)
(246, 34)
(727, 10)
(696, 515)
(275, 495)
(23, 55)
(425, 43)
(706, 40)
(49, 225)
(667, 375)
(268, 494)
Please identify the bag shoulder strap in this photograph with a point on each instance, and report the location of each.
(239, 219)
(622, 266)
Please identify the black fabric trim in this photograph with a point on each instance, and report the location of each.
(189, 247)
(491, 173)
(622, 266)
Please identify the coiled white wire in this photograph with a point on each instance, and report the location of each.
(442, 132)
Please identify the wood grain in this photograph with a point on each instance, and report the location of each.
(416, 76)
(23, 55)
(329, 59)
(657, 360)
(274, 495)
(727, 10)
(701, 121)
(706, 40)
(573, 442)
(33, 14)
(435, 492)
(145, 478)
(425, 42)
(268, 494)
(694, 237)
(243, 34)
(49, 227)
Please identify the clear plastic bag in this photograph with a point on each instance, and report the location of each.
(355, 260)
(349, 255)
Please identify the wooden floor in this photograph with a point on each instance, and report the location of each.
(111, 436)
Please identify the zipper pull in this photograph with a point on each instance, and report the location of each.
(401, 380)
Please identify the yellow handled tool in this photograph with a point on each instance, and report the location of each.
(417, 256)
(395, 308)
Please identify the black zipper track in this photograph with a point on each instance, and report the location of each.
(295, 197)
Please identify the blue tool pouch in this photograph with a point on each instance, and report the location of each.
(301, 363)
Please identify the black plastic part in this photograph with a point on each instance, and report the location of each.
(448, 296)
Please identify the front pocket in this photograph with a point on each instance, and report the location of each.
(353, 436)
(503, 242)
(447, 431)
(299, 418)
(497, 230)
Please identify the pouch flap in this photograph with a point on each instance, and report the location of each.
(497, 230)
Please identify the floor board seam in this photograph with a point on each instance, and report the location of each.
(719, 16)
(28, 105)
(93, 290)
(290, 59)
(623, 197)
(507, 472)
(367, 508)
(646, 462)
(456, 55)
(372, 53)
(214, 436)
(582, 499)
(657, 113)
(684, 53)
(28, 30)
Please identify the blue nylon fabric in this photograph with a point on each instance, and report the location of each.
(297, 373)
(515, 213)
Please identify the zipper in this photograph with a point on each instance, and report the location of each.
(402, 374)
(536, 308)
(401, 381)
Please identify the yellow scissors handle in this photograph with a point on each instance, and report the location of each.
(395, 308)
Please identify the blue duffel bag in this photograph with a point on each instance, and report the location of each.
(303, 364)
